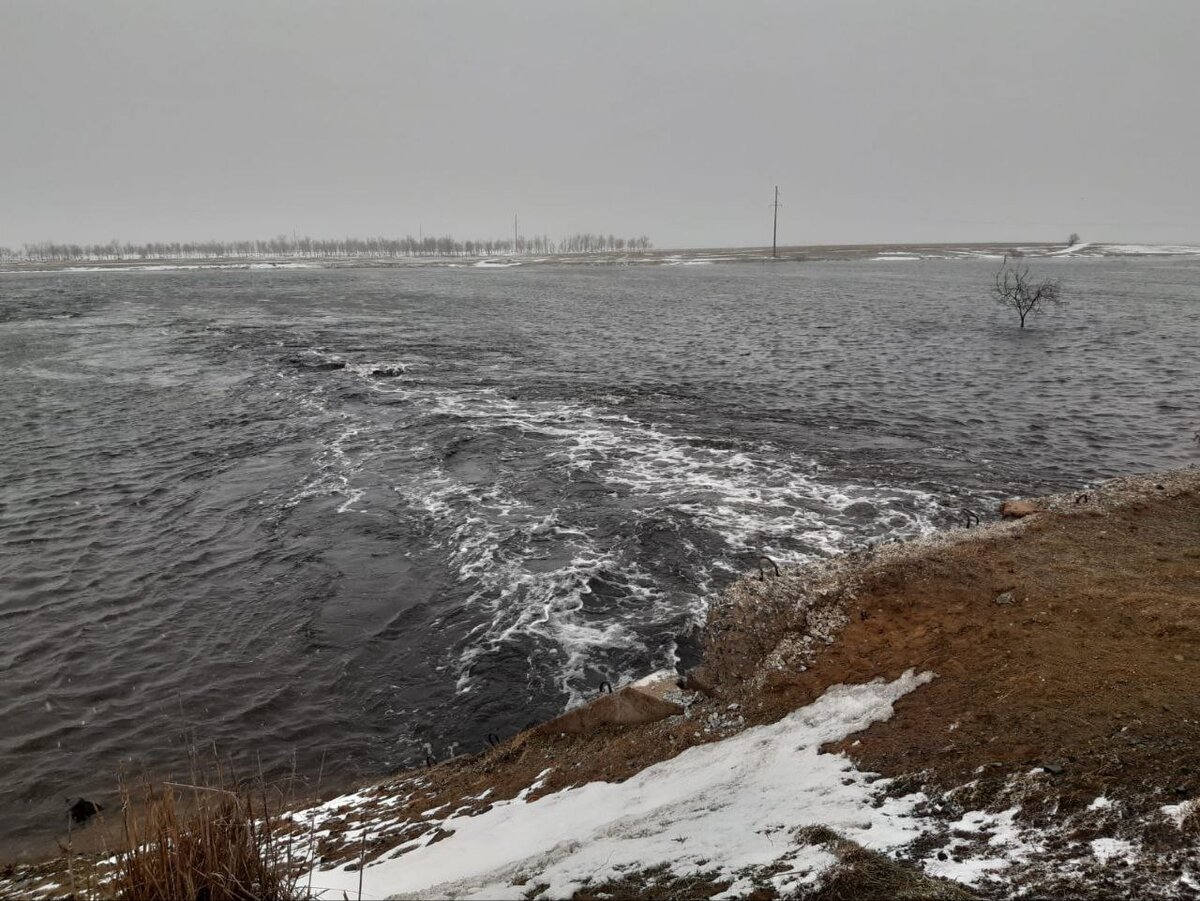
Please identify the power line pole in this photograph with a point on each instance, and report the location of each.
(775, 227)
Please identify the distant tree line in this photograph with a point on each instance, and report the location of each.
(293, 247)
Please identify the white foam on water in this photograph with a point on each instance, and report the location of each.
(380, 369)
(335, 468)
(479, 525)
(531, 571)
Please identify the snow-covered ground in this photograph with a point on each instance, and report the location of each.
(727, 809)
(731, 812)
(1151, 249)
(1067, 251)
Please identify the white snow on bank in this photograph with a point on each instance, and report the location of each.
(1150, 249)
(1003, 842)
(726, 808)
(1109, 849)
(679, 260)
(188, 267)
(1177, 813)
(1125, 250)
(495, 264)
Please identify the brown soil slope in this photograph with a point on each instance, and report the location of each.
(1068, 640)
(1071, 638)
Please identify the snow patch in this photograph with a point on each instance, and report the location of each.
(1001, 837)
(1109, 849)
(727, 808)
(1074, 248)
(1150, 249)
(1177, 813)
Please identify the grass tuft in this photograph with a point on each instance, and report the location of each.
(202, 843)
(862, 875)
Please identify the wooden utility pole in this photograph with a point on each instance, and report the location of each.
(775, 226)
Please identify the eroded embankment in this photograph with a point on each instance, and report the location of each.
(1070, 637)
(1068, 670)
(1056, 748)
(1048, 741)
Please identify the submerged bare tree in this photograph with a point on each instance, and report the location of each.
(1016, 290)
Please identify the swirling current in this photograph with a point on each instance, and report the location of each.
(321, 519)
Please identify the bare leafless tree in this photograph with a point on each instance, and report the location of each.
(1073, 240)
(1016, 290)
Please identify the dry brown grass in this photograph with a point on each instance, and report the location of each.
(204, 843)
(862, 875)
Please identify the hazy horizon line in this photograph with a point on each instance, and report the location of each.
(24, 246)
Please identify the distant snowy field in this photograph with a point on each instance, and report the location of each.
(882, 253)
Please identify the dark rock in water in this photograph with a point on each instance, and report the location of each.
(861, 510)
(321, 366)
(689, 649)
(83, 810)
(386, 372)
(1054, 769)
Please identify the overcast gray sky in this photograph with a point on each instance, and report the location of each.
(889, 120)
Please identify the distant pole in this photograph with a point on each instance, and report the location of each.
(775, 227)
